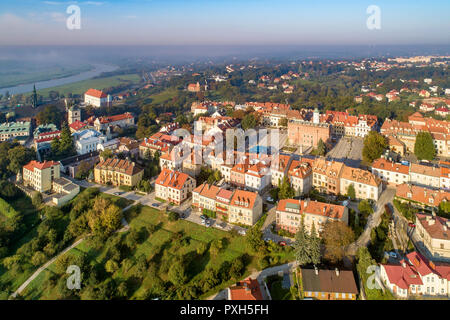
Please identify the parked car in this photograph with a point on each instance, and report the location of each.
(242, 232)
(393, 255)
(267, 239)
(203, 217)
(282, 243)
(208, 223)
(156, 205)
(411, 225)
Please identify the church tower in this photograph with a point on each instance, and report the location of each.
(74, 114)
(316, 116)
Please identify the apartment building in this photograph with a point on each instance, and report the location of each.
(174, 186)
(366, 184)
(425, 175)
(204, 197)
(391, 172)
(279, 168)
(434, 233)
(40, 175)
(257, 177)
(290, 212)
(300, 176)
(326, 176)
(245, 208)
(118, 172)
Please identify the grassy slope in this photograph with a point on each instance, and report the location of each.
(162, 239)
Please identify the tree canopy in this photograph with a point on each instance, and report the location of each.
(374, 146)
(424, 147)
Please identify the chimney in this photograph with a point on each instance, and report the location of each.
(316, 270)
(403, 264)
(432, 221)
(337, 272)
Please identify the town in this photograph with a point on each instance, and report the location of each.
(319, 194)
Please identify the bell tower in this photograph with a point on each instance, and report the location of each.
(74, 114)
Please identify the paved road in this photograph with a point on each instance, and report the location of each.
(373, 221)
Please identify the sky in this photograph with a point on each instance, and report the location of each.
(224, 22)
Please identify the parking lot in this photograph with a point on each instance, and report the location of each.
(348, 150)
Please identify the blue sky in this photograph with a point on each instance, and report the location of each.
(233, 22)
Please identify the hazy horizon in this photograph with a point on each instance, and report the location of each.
(232, 22)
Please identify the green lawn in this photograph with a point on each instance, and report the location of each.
(160, 246)
(100, 84)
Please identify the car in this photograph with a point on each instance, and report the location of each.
(267, 239)
(208, 223)
(282, 243)
(221, 225)
(411, 225)
(393, 255)
(156, 205)
(203, 217)
(242, 232)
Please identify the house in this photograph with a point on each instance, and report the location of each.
(247, 289)
(174, 186)
(397, 146)
(97, 98)
(124, 120)
(87, 140)
(416, 276)
(159, 142)
(128, 146)
(424, 94)
(194, 87)
(434, 233)
(40, 175)
(290, 213)
(245, 208)
(77, 125)
(391, 172)
(442, 111)
(324, 284)
(366, 184)
(118, 172)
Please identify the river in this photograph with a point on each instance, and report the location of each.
(24, 88)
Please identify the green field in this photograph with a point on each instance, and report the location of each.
(100, 84)
(161, 246)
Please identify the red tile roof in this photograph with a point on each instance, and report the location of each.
(248, 289)
(172, 179)
(39, 165)
(96, 93)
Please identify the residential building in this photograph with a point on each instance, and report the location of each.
(390, 172)
(118, 172)
(174, 186)
(366, 184)
(425, 175)
(326, 176)
(420, 196)
(300, 176)
(40, 175)
(247, 289)
(245, 208)
(121, 120)
(433, 232)
(159, 142)
(290, 213)
(324, 284)
(257, 176)
(204, 197)
(308, 133)
(279, 168)
(416, 276)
